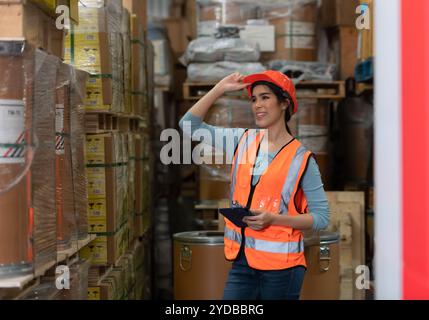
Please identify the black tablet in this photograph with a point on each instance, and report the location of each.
(236, 215)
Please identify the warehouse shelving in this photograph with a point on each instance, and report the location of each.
(332, 90)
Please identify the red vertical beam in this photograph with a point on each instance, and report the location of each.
(415, 147)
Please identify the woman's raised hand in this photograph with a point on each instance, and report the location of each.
(233, 82)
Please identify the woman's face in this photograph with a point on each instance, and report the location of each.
(265, 106)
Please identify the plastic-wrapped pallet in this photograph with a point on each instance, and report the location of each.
(27, 158)
(304, 70)
(215, 13)
(225, 49)
(209, 72)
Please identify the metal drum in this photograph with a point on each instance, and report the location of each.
(322, 279)
(200, 267)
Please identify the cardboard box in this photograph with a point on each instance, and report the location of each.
(138, 66)
(344, 50)
(338, 13)
(137, 8)
(102, 215)
(106, 250)
(88, 48)
(295, 39)
(96, 46)
(261, 35)
(179, 34)
(22, 19)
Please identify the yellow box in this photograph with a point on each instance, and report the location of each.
(96, 251)
(96, 182)
(95, 147)
(105, 250)
(97, 209)
(97, 225)
(93, 293)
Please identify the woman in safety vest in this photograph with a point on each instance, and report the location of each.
(280, 183)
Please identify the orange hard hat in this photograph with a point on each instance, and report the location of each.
(276, 77)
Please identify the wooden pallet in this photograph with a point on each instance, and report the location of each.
(347, 217)
(17, 287)
(333, 90)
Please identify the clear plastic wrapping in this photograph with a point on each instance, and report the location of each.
(42, 111)
(303, 70)
(96, 46)
(64, 195)
(225, 49)
(126, 40)
(16, 154)
(212, 14)
(209, 72)
(77, 140)
(27, 174)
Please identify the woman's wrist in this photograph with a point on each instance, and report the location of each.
(280, 220)
(218, 90)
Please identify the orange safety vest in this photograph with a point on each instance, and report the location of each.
(278, 192)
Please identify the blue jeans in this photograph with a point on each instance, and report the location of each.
(246, 283)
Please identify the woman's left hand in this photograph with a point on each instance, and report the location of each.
(260, 220)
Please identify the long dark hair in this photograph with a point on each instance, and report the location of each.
(282, 96)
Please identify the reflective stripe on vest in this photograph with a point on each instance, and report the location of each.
(264, 245)
(246, 140)
(275, 247)
(232, 235)
(291, 178)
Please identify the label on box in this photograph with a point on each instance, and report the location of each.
(59, 128)
(89, 20)
(97, 209)
(96, 251)
(95, 147)
(264, 36)
(97, 225)
(94, 96)
(96, 182)
(12, 131)
(87, 52)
